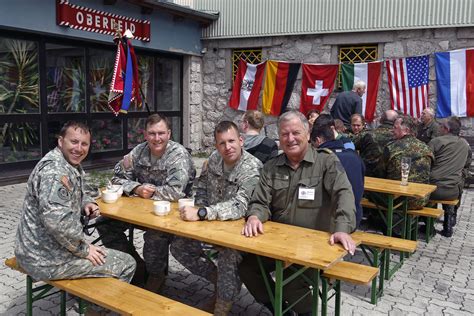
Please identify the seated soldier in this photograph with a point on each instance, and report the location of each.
(157, 169)
(452, 154)
(223, 191)
(305, 187)
(50, 243)
(428, 127)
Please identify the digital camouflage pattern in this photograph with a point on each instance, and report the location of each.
(428, 132)
(226, 195)
(421, 160)
(50, 243)
(173, 175)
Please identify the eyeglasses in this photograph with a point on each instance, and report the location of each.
(86, 228)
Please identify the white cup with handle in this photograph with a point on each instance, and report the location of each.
(185, 202)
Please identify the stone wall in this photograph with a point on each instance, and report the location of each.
(216, 68)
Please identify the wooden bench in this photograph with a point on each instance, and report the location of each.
(343, 271)
(111, 293)
(378, 245)
(412, 224)
(368, 204)
(444, 202)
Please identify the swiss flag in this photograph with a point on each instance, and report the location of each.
(317, 85)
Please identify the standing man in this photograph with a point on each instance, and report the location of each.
(407, 145)
(50, 243)
(258, 145)
(348, 103)
(223, 191)
(428, 127)
(452, 154)
(305, 187)
(159, 169)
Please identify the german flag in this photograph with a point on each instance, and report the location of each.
(279, 82)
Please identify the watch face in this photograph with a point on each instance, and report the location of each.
(202, 212)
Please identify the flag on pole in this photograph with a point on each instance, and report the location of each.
(131, 87)
(118, 79)
(247, 85)
(408, 84)
(455, 83)
(317, 85)
(368, 73)
(279, 82)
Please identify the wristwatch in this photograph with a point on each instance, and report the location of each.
(202, 213)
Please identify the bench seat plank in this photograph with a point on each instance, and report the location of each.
(447, 202)
(427, 211)
(351, 272)
(119, 296)
(385, 242)
(368, 204)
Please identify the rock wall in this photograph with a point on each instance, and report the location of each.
(215, 69)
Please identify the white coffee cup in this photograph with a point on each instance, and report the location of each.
(161, 208)
(117, 188)
(109, 196)
(185, 202)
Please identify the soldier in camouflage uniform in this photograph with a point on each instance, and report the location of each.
(157, 169)
(428, 128)
(223, 191)
(305, 187)
(50, 242)
(407, 145)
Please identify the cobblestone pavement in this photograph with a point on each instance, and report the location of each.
(436, 280)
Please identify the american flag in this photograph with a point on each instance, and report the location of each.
(408, 83)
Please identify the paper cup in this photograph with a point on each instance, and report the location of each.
(185, 202)
(161, 208)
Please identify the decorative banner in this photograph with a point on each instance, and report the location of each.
(247, 84)
(455, 83)
(408, 81)
(91, 20)
(316, 86)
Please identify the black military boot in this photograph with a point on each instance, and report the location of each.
(448, 223)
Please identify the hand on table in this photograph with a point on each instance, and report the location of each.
(145, 191)
(96, 255)
(253, 227)
(92, 210)
(345, 240)
(189, 213)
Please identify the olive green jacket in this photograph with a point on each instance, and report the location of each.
(276, 195)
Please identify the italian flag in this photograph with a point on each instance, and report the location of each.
(368, 73)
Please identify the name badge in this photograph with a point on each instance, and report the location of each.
(306, 194)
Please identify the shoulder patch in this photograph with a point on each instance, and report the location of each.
(64, 194)
(66, 183)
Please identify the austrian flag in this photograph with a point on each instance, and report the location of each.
(247, 84)
(317, 85)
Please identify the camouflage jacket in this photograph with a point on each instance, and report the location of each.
(369, 150)
(383, 135)
(172, 174)
(421, 160)
(226, 195)
(50, 230)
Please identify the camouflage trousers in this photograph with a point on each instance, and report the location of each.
(190, 254)
(117, 265)
(155, 248)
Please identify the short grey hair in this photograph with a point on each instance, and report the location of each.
(358, 84)
(287, 116)
(430, 111)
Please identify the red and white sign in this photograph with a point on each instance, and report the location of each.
(91, 20)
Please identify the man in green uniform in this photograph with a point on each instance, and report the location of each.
(452, 154)
(306, 187)
(428, 128)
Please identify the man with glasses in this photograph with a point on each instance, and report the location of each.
(158, 169)
(50, 243)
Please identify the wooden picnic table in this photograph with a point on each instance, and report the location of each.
(284, 243)
(391, 190)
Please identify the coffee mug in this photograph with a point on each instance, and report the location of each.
(185, 202)
(109, 196)
(161, 208)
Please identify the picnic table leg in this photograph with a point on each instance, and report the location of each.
(389, 231)
(63, 303)
(324, 296)
(29, 296)
(278, 305)
(315, 301)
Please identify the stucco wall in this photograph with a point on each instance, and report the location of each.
(216, 68)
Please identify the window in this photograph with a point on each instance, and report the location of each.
(356, 54)
(252, 56)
